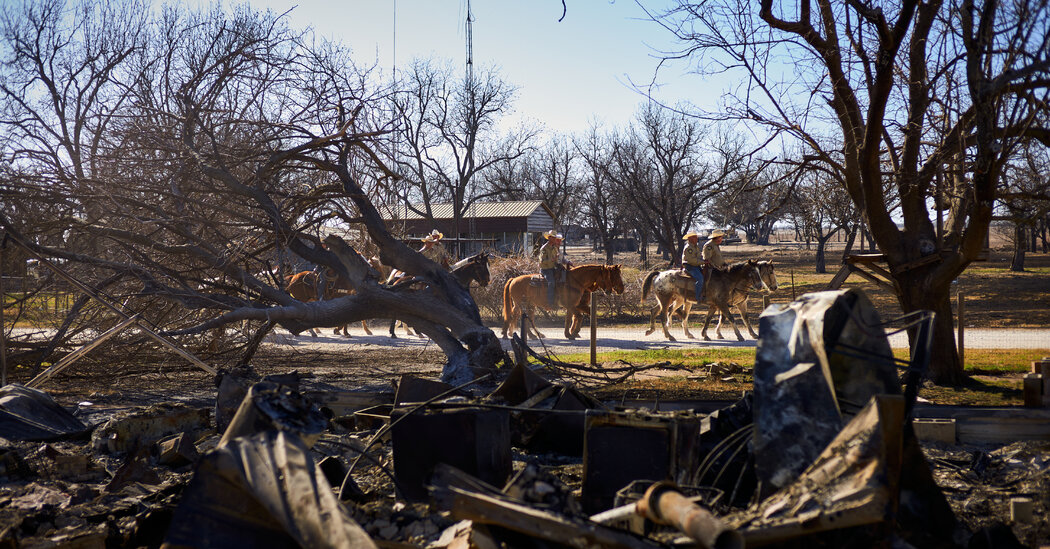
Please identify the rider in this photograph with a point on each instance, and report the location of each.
(692, 263)
(433, 249)
(712, 253)
(550, 255)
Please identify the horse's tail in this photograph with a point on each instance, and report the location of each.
(646, 284)
(506, 301)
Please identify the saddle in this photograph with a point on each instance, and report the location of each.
(560, 274)
(685, 283)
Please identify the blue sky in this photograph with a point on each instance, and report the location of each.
(567, 72)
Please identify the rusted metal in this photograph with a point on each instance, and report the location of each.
(665, 505)
(621, 447)
(412, 389)
(474, 440)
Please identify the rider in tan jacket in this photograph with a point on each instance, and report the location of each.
(712, 253)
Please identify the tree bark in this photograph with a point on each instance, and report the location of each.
(822, 244)
(1020, 245)
(918, 292)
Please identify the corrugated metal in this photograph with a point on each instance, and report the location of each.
(516, 208)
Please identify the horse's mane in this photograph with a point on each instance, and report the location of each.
(734, 267)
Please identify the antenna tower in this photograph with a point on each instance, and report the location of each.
(470, 47)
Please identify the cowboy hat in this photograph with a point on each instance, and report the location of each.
(551, 234)
(690, 234)
(716, 233)
(434, 236)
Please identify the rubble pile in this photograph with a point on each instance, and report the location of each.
(821, 454)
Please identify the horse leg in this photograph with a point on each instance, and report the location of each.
(343, 330)
(707, 321)
(665, 313)
(364, 325)
(724, 308)
(688, 308)
(742, 307)
(652, 318)
(393, 324)
(509, 321)
(583, 310)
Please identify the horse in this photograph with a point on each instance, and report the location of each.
(303, 287)
(527, 291)
(723, 289)
(471, 269)
(739, 301)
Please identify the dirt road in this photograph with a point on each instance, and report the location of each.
(612, 339)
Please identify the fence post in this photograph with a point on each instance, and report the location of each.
(765, 301)
(962, 328)
(523, 359)
(594, 330)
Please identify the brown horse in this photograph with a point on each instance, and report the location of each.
(527, 291)
(722, 289)
(303, 287)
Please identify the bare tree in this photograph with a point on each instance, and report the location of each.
(447, 136)
(603, 208)
(1025, 199)
(212, 156)
(548, 172)
(883, 95)
(658, 168)
(756, 206)
(820, 208)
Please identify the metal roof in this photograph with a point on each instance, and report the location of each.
(513, 208)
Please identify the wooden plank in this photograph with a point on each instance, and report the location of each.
(541, 524)
(79, 353)
(925, 260)
(840, 277)
(878, 281)
(1001, 430)
(866, 258)
(993, 425)
(877, 269)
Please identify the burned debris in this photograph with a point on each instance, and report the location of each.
(823, 453)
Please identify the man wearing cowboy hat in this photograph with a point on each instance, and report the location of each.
(712, 253)
(433, 249)
(692, 263)
(550, 254)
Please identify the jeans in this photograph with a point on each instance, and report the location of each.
(550, 276)
(698, 274)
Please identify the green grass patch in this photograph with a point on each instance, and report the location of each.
(686, 357)
(978, 391)
(1002, 361)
